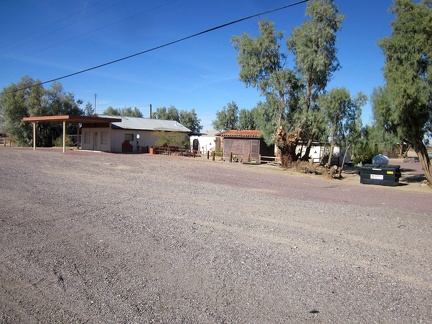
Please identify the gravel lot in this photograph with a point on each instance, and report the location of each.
(108, 238)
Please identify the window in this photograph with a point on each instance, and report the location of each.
(104, 138)
(129, 137)
(86, 137)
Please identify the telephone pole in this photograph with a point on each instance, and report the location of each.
(95, 95)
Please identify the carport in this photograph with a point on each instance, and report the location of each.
(68, 119)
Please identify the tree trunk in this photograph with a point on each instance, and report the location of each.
(287, 143)
(422, 153)
(331, 147)
(308, 147)
(343, 160)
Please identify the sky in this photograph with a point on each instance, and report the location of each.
(49, 39)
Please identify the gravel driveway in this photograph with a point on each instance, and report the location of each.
(108, 238)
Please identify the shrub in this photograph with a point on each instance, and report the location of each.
(59, 141)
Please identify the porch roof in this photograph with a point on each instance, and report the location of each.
(72, 119)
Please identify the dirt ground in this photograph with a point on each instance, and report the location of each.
(109, 238)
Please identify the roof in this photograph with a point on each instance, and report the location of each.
(72, 119)
(137, 123)
(241, 133)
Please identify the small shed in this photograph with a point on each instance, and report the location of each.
(244, 145)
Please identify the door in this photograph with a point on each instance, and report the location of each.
(96, 144)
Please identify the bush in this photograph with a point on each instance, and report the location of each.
(59, 141)
(365, 155)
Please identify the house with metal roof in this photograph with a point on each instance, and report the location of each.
(130, 135)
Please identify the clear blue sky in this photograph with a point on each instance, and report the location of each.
(47, 39)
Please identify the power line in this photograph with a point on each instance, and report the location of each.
(51, 31)
(166, 44)
(83, 34)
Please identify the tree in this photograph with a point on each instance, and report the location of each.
(18, 101)
(126, 112)
(190, 120)
(408, 75)
(111, 111)
(314, 47)
(246, 120)
(170, 138)
(28, 98)
(266, 120)
(88, 110)
(227, 118)
(167, 114)
(292, 94)
(342, 113)
(383, 132)
(59, 102)
(262, 66)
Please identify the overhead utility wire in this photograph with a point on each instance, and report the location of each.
(167, 44)
(89, 32)
(52, 31)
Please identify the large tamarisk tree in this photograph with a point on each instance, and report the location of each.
(404, 105)
(291, 93)
(314, 47)
(262, 66)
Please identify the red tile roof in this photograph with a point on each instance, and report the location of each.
(242, 133)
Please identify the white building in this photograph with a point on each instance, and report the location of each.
(205, 142)
(132, 134)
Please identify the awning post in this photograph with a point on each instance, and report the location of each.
(34, 136)
(64, 135)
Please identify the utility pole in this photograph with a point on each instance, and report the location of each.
(95, 104)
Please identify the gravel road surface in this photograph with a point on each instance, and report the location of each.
(108, 238)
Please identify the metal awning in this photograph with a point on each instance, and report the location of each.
(71, 119)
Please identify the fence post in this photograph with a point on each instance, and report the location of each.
(231, 155)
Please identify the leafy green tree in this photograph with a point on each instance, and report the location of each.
(408, 75)
(169, 138)
(246, 120)
(383, 133)
(111, 111)
(18, 101)
(129, 112)
(167, 114)
(227, 118)
(126, 112)
(343, 113)
(262, 66)
(190, 120)
(266, 119)
(88, 110)
(28, 98)
(292, 93)
(314, 47)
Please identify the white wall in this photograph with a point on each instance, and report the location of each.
(206, 143)
(116, 138)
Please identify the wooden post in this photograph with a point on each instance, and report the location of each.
(213, 155)
(208, 155)
(249, 157)
(34, 136)
(64, 135)
(231, 156)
